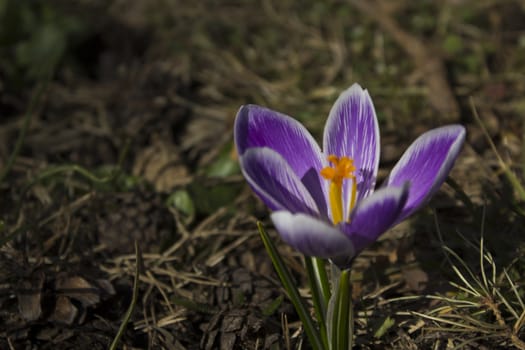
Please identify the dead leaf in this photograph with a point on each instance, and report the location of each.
(106, 286)
(161, 165)
(79, 289)
(29, 297)
(415, 278)
(65, 312)
(42, 194)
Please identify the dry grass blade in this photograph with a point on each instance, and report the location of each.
(511, 176)
(134, 299)
(487, 307)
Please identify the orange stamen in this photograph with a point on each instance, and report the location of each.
(343, 168)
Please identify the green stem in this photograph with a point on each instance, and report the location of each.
(293, 293)
(317, 298)
(322, 277)
(342, 317)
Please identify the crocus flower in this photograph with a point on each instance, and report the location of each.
(323, 201)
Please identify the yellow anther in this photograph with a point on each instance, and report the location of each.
(343, 168)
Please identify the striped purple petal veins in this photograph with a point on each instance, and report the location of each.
(324, 202)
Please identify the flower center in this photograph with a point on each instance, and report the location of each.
(342, 168)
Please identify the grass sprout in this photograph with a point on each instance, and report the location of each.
(487, 303)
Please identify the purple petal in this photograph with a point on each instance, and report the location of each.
(352, 131)
(275, 182)
(426, 164)
(374, 215)
(257, 126)
(311, 236)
